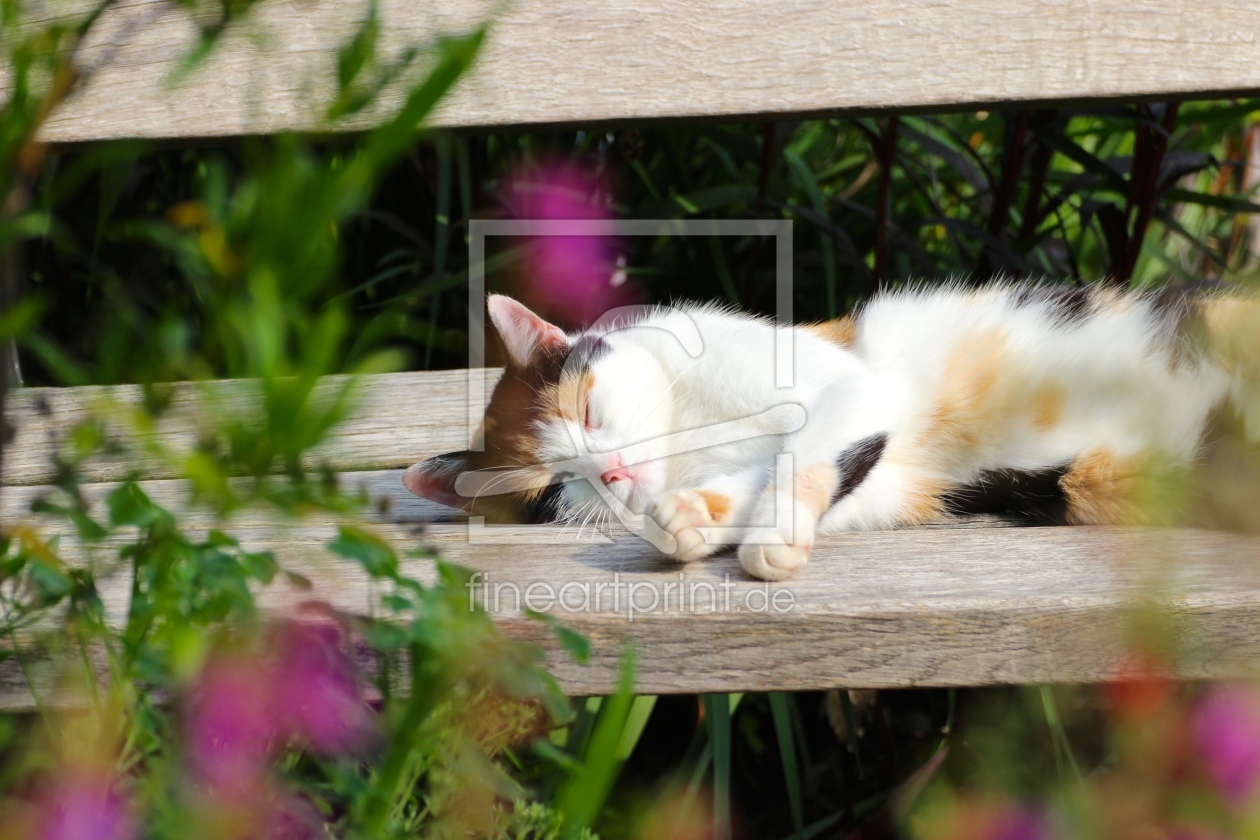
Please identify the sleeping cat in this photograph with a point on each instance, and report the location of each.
(923, 400)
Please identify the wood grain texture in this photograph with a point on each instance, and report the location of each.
(401, 418)
(938, 606)
(551, 62)
(920, 607)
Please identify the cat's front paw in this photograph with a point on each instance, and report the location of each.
(681, 514)
(772, 554)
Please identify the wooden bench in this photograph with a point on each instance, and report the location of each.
(953, 605)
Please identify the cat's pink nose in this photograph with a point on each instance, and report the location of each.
(618, 474)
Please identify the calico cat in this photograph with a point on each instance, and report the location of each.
(923, 400)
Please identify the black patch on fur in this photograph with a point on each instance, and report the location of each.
(548, 367)
(587, 350)
(545, 507)
(1067, 304)
(856, 463)
(1031, 494)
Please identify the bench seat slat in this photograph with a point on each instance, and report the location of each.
(941, 606)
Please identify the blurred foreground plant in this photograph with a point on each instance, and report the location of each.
(188, 708)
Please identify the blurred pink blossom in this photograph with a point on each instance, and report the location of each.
(292, 818)
(318, 695)
(231, 728)
(570, 278)
(83, 805)
(245, 706)
(1225, 726)
(1019, 823)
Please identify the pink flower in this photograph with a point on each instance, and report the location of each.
(293, 818)
(245, 706)
(1225, 727)
(573, 279)
(83, 805)
(230, 724)
(318, 697)
(1018, 824)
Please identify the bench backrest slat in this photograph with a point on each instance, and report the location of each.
(400, 418)
(569, 62)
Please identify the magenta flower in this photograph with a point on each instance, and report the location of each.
(1225, 727)
(83, 805)
(572, 279)
(318, 697)
(230, 724)
(1019, 824)
(293, 818)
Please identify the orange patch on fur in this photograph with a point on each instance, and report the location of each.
(1101, 488)
(842, 331)
(814, 486)
(922, 503)
(973, 395)
(568, 398)
(1046, 405)
(719, 505)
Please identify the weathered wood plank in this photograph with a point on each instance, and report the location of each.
(401, 418)
(551, 62)
(929, 607)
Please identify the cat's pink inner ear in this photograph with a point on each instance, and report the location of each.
(523, 332)
(435, 481)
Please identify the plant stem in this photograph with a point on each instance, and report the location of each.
(886, 151)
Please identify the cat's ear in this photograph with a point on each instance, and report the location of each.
(523, 332)
(434, 479)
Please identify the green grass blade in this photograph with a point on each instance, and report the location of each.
(583, 794)
(640, 712)
(1062, 747)
(850, 720)
(781, 712)
(440, 236)
(717, 712)
(807, 182)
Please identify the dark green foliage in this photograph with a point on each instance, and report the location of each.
(289, 258)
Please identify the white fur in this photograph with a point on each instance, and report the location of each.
(1120, 394)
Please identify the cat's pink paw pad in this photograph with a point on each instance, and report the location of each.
(681, 513)
(766, 555)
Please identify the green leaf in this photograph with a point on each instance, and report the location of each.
(397, 603)
(574, 643)
(781, 712)
(549, 751)
(1237, 204)
(640, 712)
(375, 555)
(260, 565)
(128, 505)
(88, 528)
(717, 712)
(50, 584)
(582, 796)
(384, 636)
(850, 722)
